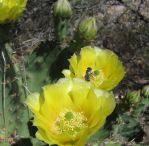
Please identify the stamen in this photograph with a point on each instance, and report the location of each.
(69, 122)
(98, 77)
(96, 72)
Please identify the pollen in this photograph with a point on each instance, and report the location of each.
(69, 122)
(98, 77)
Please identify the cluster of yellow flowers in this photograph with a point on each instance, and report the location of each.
(68, 112)
(11, 9)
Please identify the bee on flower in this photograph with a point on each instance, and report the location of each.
(68, 112)
(99, 66)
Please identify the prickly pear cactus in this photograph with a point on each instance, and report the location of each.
(18, 78)
(14, 115)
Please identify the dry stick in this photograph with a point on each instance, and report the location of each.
(4, 92)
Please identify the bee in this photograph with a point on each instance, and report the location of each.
(91, 74)
(88, 74)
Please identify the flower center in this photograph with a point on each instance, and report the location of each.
(95, 76)
(70, 122)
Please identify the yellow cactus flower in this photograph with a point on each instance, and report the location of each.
(69, 111)
(99, 66)
(11, 9)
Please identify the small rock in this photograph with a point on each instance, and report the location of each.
(132, 4)
(115, 11)
(144, 9)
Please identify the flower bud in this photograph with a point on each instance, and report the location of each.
(134, 97)
(88, 28)
(11, 9)
(145, 91)
(62, 8)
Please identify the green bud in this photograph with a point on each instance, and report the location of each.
(145, 91)
(88, 28)
(134, 96)
(62, 8)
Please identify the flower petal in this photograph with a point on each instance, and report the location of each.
(33, 102)
(106, 101)
(79, 92)
(87, 59)
(56, 98)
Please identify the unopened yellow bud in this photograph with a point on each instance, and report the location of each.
(62, 8)
(88, 28)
